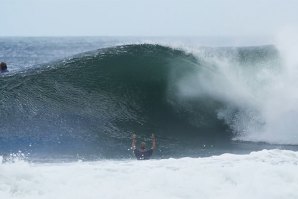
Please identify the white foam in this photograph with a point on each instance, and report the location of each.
(264, 95)
(266, 174)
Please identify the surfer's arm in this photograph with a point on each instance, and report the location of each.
(134, 141)
(153, 142)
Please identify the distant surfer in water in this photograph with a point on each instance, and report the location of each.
(3, 67)
(143, 153)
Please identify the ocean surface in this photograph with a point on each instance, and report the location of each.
(225, 118)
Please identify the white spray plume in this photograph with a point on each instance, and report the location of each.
(265, 96)
(280, 105)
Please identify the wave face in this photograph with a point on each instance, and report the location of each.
(97, 99)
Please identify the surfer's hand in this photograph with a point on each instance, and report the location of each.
(134, 136)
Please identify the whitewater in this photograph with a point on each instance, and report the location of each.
(264, 174)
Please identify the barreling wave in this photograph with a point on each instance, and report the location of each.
(97, 99)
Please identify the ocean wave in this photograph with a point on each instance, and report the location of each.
(97, 99)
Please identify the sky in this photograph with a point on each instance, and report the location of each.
(146, 17)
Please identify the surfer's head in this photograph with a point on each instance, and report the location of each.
(3, 66)
(143, 145)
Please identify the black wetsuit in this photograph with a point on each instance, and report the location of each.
(4, 71)
(143, 155)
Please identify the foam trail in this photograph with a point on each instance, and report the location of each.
(264, 174)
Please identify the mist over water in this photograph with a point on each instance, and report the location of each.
(258, 90)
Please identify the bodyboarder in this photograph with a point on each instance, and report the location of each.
(143, 153)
